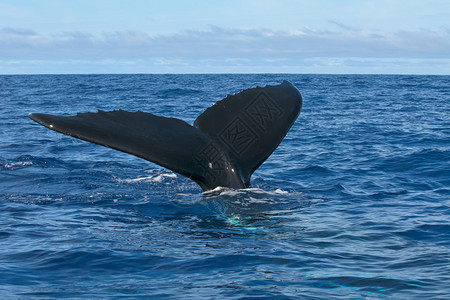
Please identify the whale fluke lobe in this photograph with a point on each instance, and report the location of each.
(225, 145)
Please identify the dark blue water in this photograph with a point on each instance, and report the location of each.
(354, 204)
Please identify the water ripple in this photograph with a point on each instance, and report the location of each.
(353, 204)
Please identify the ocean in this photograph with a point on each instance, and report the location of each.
(353, 204)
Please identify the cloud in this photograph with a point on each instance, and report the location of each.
(220, 42)
(8, 32)
(234, 49)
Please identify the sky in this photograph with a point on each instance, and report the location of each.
(233, 36)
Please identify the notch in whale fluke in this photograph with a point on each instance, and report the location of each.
(225, 145)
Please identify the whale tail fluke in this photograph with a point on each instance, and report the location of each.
(227, 143)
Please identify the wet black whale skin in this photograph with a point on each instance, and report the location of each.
(225, 145)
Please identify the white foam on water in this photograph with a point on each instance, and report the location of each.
(18, 164)
(152, 178)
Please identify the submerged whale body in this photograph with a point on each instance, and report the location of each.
(225, 145)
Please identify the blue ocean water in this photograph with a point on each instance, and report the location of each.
(354, 204)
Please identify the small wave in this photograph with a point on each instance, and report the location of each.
(317, 170)
(17, 165)
(223, 191)
(24, 161)
(281, 192)
(171, 92)
(155, 178)
(251, 200)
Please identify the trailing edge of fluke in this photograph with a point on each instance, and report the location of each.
(226, 144)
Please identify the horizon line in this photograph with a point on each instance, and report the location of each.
(225, 73)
